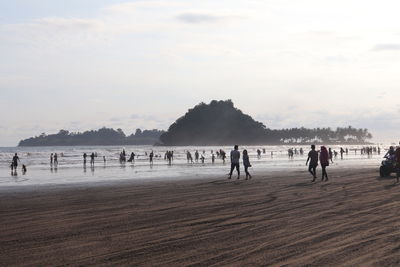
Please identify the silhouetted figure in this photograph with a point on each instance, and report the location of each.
(51, 160)
(132, 157)
(246, 164)
(23, 169)
(84, 159)
(235, 157)
(169, 157)
(151, 155)
(258, 153)
(290, 153)
(341, 152)
(55, 160)
(313, 159)
(330, 154)
(324, 160)
(264, 151)
(223, 156)
(15, 161)
(212, 158)
(202, 158)
(196, 156)
(92, 160)
(189, 157)
(104, 159)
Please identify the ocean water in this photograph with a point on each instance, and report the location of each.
(71, 170)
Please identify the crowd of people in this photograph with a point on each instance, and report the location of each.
(323, 157)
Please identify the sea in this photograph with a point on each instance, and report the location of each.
(71, 170)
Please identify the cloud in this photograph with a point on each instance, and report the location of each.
(130, 7)
(386, 47)
(197, 18)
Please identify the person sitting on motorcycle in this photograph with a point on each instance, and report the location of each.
(390, 154)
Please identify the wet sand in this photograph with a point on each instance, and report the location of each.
(274, 219)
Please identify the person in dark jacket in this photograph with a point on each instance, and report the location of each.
(246, 163)
(324, 160)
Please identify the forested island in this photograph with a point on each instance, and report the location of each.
(220, 123)
(103, 136)
(217, 123)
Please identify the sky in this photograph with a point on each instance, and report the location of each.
(84, 64)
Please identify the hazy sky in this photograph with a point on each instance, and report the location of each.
(84, 64)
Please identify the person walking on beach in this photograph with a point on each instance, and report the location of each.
(313, 159)
(330, 154)
(246, 164)
(51, 160)
(84, 159)
(324, 160)
(196, 156)
(235, 156)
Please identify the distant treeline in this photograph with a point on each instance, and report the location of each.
(220, 123)
(103, 136)
(303, 135)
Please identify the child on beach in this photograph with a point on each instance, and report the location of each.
(23, 169)
(313, 159)
(246, 164)
(324, 160)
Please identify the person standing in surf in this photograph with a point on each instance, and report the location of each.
(324, 160)
(92, 160)
(313, 159)
(235, 156)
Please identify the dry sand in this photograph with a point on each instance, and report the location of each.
(274, 219)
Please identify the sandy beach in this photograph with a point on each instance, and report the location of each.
(273, 219)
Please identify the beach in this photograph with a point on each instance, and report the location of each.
(276, 218)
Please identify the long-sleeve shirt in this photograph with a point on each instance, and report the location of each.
(235, 156)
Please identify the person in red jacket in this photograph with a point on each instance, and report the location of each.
(324, 160)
